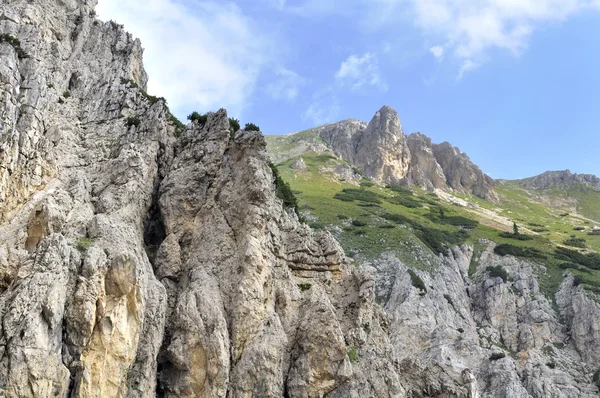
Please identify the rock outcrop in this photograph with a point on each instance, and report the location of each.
(135, 263)
(140, 260)
(382, 152)
(560, 178)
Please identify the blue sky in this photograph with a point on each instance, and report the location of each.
(513, 83)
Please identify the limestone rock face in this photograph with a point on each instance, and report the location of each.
(461, 174)
(139, 261)
(134, 263)
(560, 178)
(382, 152)
(299, 164)
(425, 171)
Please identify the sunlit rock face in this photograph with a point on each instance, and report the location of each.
(139, 259)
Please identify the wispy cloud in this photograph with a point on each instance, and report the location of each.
(469, 28)
(324, 107)
(437, 51)
(466, 29)
(359, 71)
(285, 85)
(467, 66)
(215, 53)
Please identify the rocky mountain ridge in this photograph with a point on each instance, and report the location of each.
(382, 152)
(559, 178)
(141, 260)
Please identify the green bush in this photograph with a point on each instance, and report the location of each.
(457, 221)
(234, 126)
(575, 242)
(366, 183)
(251, 127)
(304, 286)
(397, 218)
(551, 364)
(353, 354)
(342, 217)
(596, 377)
(579, 229)
(497, 355)
(67, 94)
(589, 260)
(132, 121)
(417, 281)
(83, 243)
(401, 190)
(438, 240)
(352, 194)
(15, 43)
(359, 223)
(517, 251)
(195, 116)
(405, 201)
(497, 271)
(283, 191)
(595, 232)
(517, 236)
(538, 230)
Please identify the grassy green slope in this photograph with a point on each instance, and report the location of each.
(372, 219)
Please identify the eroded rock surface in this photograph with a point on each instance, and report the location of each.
(382, 152)
(138, 260)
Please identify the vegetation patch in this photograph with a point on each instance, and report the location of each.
(575, 242)
(519, 236)
(359, 223)
(417, 281)
(83, 243)
(284, 192)
(405, 201)
(304, 286)
(497, 271)
(506, 249)
(497, 355)
(196, 117)
(179, 126)
(251, 127)
(353, 194)
(589, 260)
(132, 121)
(15, 43)
(353, 353)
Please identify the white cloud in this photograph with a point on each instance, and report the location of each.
(324, 108)
(200, 57)
(437, 51)
(358, 71)
(467, 28)
(471, 27)
(467, 66)
(285, 85)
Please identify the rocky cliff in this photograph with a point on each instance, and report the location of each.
(560, 178)
(142, 260)
(382, 152)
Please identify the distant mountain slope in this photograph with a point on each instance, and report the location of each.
(559, 178)
(562, 190)
(381, 152)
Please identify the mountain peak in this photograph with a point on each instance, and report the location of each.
(559, 178)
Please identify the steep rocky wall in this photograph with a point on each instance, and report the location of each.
(382, 152)
(138, 264)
